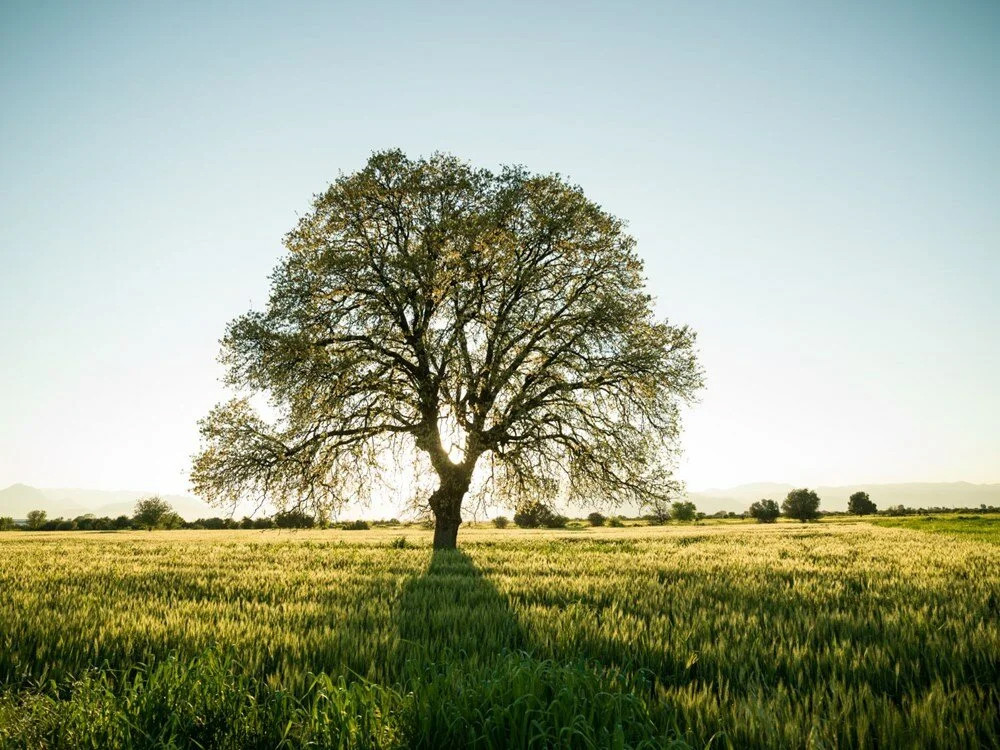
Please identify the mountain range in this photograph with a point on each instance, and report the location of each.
(18, 499)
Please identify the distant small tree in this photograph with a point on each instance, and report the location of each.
(150, 512)
(36, 519)
(596, 519)
(802, 504)
(501, 522)
(683, 510)
(7, 523)
(765, 511)
(659, 510)
(860, 504)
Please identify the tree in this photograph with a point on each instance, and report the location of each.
(765, 511)
(860, 504)
(596, 519)
(151, 512)
(500, 522)
(802, 504)
(36, 519)
(490, 329)
(683, 511)
(7, 523)
(659, 510)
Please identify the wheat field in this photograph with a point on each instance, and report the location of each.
(801, 636)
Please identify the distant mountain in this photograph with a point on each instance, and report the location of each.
(912, 495)
(18, 499)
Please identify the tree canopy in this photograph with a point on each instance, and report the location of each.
(151, 512)
(860, 504)
(490, 328)
(802, 504)
(765, 510)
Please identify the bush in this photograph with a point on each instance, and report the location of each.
(616, 522)
(860, 504)
(801, 504)
(500, 522)
(358, 525)
(7, 523)
(399, 543)
(765, 511)
(596, 519)
(535, 514)
(555, 521)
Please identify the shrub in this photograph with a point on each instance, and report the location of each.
(801, 504)
(555, 521)
(596, 519)
(500, 522)
(399, 543)
(7, 523)
(532, 515)
(765, 511)
(616, 522)
(358, 525)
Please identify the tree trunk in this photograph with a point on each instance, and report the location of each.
(446, 502)
(445, 532)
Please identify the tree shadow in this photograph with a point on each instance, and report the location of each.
(452, 614)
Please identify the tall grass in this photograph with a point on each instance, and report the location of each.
(821, 636)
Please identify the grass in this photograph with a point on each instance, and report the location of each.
(968, 526)
(818, 635)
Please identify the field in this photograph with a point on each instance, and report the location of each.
(820, 636)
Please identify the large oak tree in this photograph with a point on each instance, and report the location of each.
(492, 327)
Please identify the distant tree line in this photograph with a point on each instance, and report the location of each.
(803, 505)
(155, 513)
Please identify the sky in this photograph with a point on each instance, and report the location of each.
(814, 188)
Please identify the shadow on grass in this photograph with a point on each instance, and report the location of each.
(474, 682)
(453, 613)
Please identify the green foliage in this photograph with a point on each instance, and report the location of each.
(358, 525)
(633, 638)
(616, 522)
(7, 523)
(765, 511)
(985, 529)
(859, 504)
(683, 510)
(596, 519)
(802, 505)
(501, 522)
(153, 512)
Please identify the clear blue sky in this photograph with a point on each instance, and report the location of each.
(815, 188)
